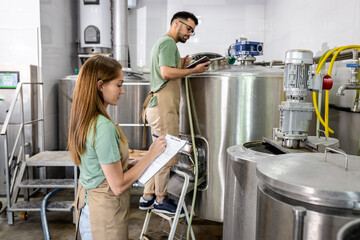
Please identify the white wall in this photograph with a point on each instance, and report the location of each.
(221, 22)
(307, 24)
(19, 31)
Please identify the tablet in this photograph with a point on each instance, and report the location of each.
(199, 61)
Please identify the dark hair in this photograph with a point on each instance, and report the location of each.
(184, 15)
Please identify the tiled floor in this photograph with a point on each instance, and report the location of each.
(62, 228)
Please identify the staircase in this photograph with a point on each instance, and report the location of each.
(16, 165)
(43, 160)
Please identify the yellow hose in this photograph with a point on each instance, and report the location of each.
(317, 111)
(322, 62)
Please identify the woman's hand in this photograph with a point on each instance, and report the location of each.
(158, 146)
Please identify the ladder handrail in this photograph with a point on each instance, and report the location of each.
(13, 103)
(21, 133)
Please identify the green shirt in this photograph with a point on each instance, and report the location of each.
(163, 53)
(106, 151)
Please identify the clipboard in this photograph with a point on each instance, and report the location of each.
(173, 146)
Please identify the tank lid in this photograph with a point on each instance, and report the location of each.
(251, 151)
(309, 178)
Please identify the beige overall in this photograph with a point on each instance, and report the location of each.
(109, 214)
(163, 119)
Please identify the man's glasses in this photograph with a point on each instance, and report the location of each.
(189, 28)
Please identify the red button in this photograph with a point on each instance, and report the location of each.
(327, 82)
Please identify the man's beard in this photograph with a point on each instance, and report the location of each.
(182, 38)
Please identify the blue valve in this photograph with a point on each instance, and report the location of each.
(352, 65)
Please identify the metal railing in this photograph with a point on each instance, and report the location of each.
(20, 137)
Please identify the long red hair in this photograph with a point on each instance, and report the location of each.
(88, 102)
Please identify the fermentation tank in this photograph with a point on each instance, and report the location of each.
(307, 195)
(126, 113)
(240, 191)
(230, 106)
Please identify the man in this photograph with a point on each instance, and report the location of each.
(161, 106)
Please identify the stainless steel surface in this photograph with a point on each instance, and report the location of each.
(299, 215)
(348, 86)
(66, 91)
(126, 114)
(307, 177)
(120, 31)
(346, 129)
(229, 107)
(240, 190)
(328, 149)
(218, 62)
(306, 180)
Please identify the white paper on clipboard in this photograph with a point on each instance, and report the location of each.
(173, 146)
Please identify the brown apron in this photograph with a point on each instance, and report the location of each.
(164, 118)
(109, 214)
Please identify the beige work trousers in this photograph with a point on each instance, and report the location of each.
(164, 119)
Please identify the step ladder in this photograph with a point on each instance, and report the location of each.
(42, 160)
(173, 219)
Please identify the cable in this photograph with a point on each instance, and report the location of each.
(321, 63)
(44, 222)
(195, 157)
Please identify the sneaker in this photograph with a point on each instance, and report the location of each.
(167, 206)
(146, 204)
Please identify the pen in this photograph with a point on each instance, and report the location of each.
(155, 135)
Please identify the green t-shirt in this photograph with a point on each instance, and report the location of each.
(106, 151)
(163, 53)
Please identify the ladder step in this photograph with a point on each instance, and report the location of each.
(55, 206)
(47, 183)
(50, 159)
(167, 216)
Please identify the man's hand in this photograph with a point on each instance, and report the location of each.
(200, 68)
(187, 60)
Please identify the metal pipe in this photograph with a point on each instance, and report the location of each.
(7, 176)
(299, 215)
(348, 86)
(11, 109)
(120, 31)
(344, 55)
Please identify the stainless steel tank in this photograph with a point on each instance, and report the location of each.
(65, 97)
(229, 107)
(240, 190)
(307, 195)
(127, 113)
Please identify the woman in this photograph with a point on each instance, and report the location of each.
(100, 150)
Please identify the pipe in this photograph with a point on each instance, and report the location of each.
(322, 62)
(349, 86)
(344, 55)
(317, 111)
(120, 31)
(195, 157)
(299, 215)
(44, 222)
(355, 108)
